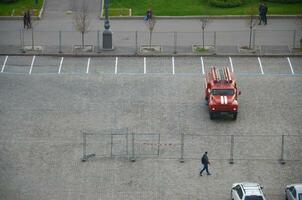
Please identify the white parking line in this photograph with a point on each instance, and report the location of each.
(32, 64)
(145, 69)
(202, 65)
(3, 66)
(260, 64)
(88, 63)
(290, 65)
(61, 63)
(116, 61)
(173, 65)
(231, 62)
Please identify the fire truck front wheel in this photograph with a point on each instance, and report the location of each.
(211, 115)
(235, 115)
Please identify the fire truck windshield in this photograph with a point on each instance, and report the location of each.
(226, 92)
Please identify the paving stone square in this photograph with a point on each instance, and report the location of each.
(42, 119)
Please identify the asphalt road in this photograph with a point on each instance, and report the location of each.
(44, 108)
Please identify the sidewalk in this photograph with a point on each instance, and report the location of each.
(176, 36)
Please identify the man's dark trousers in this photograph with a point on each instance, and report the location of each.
(205, 167)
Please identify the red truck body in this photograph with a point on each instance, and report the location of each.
(221, 92)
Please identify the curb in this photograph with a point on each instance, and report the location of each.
(156, 55)
(200, 16)
(39, 17)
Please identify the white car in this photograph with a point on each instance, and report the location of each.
(247, 191)
(293, 192)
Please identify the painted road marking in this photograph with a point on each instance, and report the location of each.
(173, 65)
(61, 63)
(202, 65)
(88, 64)
(3, 66)
(260, 64)
(116, 61)
(231, 62)
(145, 69)
(32, 64)
(290, 65)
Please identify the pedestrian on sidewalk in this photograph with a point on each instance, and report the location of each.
(25, 19)
(262, 13)
(28, 19)
(148, 15)
(205, 161)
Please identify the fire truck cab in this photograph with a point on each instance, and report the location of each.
(221, 92)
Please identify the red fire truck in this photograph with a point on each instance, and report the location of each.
(221, 92)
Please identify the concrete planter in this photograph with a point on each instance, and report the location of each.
(247, 50)
(82, 49)
(32, 49)
(198, 48)
(147, 49)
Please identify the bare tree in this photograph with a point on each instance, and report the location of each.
(150, 25)
(252, 21)
(204, 21)
(81, 21)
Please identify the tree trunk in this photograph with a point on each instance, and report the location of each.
(251, 31)
(150, 39)
(203, 38)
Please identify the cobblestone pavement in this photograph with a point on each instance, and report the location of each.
(45, 103)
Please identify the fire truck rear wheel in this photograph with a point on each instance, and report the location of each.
(235, 115)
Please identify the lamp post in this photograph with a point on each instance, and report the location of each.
(107, 34)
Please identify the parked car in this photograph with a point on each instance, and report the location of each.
(247, 191)
(293, 192)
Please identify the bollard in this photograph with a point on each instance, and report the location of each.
(232, 150)
(181, 160)
(60, 41)
(282, 161)
(133, 155)
(175, 43)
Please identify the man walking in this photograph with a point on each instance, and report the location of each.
(28, 19)
(262, 13)
(205, 161)
(25, 19)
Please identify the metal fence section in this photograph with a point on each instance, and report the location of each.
(119, 143)
(130, 42)
(105, 143)
(242, 147)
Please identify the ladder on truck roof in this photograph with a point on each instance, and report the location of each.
(221, 74)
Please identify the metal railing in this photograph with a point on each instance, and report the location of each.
(242, 147)
(130, 42)
(121, 143)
